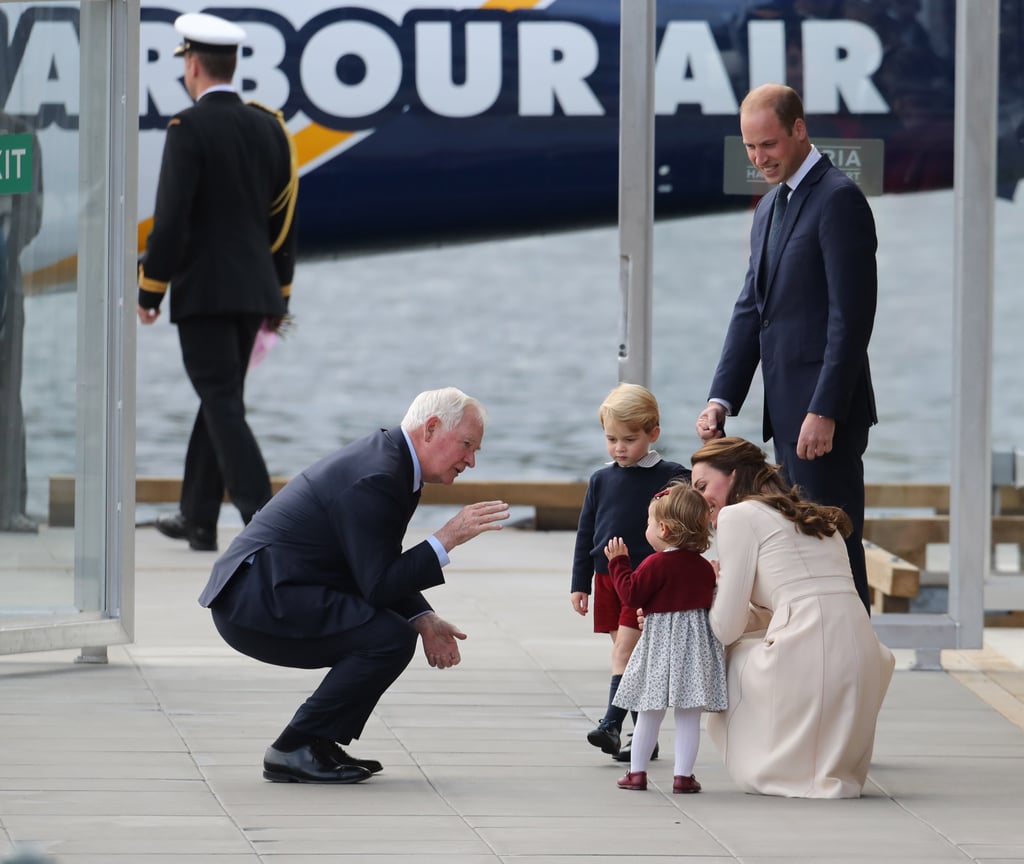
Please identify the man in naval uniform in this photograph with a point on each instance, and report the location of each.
(21, 217)
(223, 241)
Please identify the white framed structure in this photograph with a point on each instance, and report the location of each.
(976, 86)
(74, 89)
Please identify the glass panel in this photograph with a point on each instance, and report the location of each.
(61, 343)
(1008, 346)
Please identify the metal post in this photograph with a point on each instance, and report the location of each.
(636, 187)
(970, 522)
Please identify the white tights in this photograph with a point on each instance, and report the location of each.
(645, 736)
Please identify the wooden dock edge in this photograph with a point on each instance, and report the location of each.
(557, 503)
(895, 545)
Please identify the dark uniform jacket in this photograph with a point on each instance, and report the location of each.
(327, 549)
(223, 229)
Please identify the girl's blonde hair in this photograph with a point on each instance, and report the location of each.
(685, 514)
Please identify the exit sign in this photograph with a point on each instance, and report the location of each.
(15, 164)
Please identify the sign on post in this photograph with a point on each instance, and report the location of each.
(15, 164)
(862, 159)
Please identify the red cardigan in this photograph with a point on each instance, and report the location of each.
(672, 581)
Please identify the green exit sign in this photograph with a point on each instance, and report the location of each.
(15, 164)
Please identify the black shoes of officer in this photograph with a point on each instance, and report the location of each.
(343, 758)
(605, 736)
(312, 763)
(202, 539)
(624, 754)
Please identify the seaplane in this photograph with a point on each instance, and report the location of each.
(429, 122)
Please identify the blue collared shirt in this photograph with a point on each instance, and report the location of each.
(417, 484)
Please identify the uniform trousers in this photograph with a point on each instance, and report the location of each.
(222, 450)
(13, 473)
(837, 480)
(364, 661)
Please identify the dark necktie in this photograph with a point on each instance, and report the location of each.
(778, 212)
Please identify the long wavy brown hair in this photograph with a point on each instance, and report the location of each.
(756, 479)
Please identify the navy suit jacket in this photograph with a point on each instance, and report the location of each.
(808, 321)
(327, 549)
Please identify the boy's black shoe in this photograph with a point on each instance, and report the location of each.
(624, 754)
(605, 736)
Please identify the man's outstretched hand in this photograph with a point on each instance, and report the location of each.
(439, 645)
(471, 520)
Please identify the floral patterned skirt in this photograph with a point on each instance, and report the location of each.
(678, 663)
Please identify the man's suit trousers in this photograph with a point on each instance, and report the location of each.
(363, 663)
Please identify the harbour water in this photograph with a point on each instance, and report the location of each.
(531, 326)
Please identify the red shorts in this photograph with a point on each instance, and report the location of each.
(609, 613)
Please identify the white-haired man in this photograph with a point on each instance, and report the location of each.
(318, 579)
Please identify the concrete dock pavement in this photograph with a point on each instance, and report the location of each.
(156, 757)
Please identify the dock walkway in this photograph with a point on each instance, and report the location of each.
(155, 757)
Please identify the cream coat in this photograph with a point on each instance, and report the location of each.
(804, 694)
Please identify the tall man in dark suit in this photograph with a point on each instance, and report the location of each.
(805, 314)
(224, 240)
(319, 579)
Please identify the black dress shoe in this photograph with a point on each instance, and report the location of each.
(624, 754)
(202, 539)
(605, 736)
(172, 525)
(339, 755)
(313, 763)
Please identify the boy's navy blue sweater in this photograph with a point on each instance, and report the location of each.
(616, 506)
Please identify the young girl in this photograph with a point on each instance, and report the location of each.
(678, 662)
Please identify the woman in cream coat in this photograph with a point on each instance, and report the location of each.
(806, 672)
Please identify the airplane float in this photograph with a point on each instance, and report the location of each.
(420, 122)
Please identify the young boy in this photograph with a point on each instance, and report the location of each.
(615, 506)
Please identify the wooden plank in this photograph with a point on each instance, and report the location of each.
(889, 574)
(148, 490)
(536, 493)
(163, 490)
(62, 501)
(883, 603)
(899, 496)
(1011, 501)
(1010, 618)
(907, 536)
(557, 503)
(933, 496)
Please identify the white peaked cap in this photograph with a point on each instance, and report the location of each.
(205, 32)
